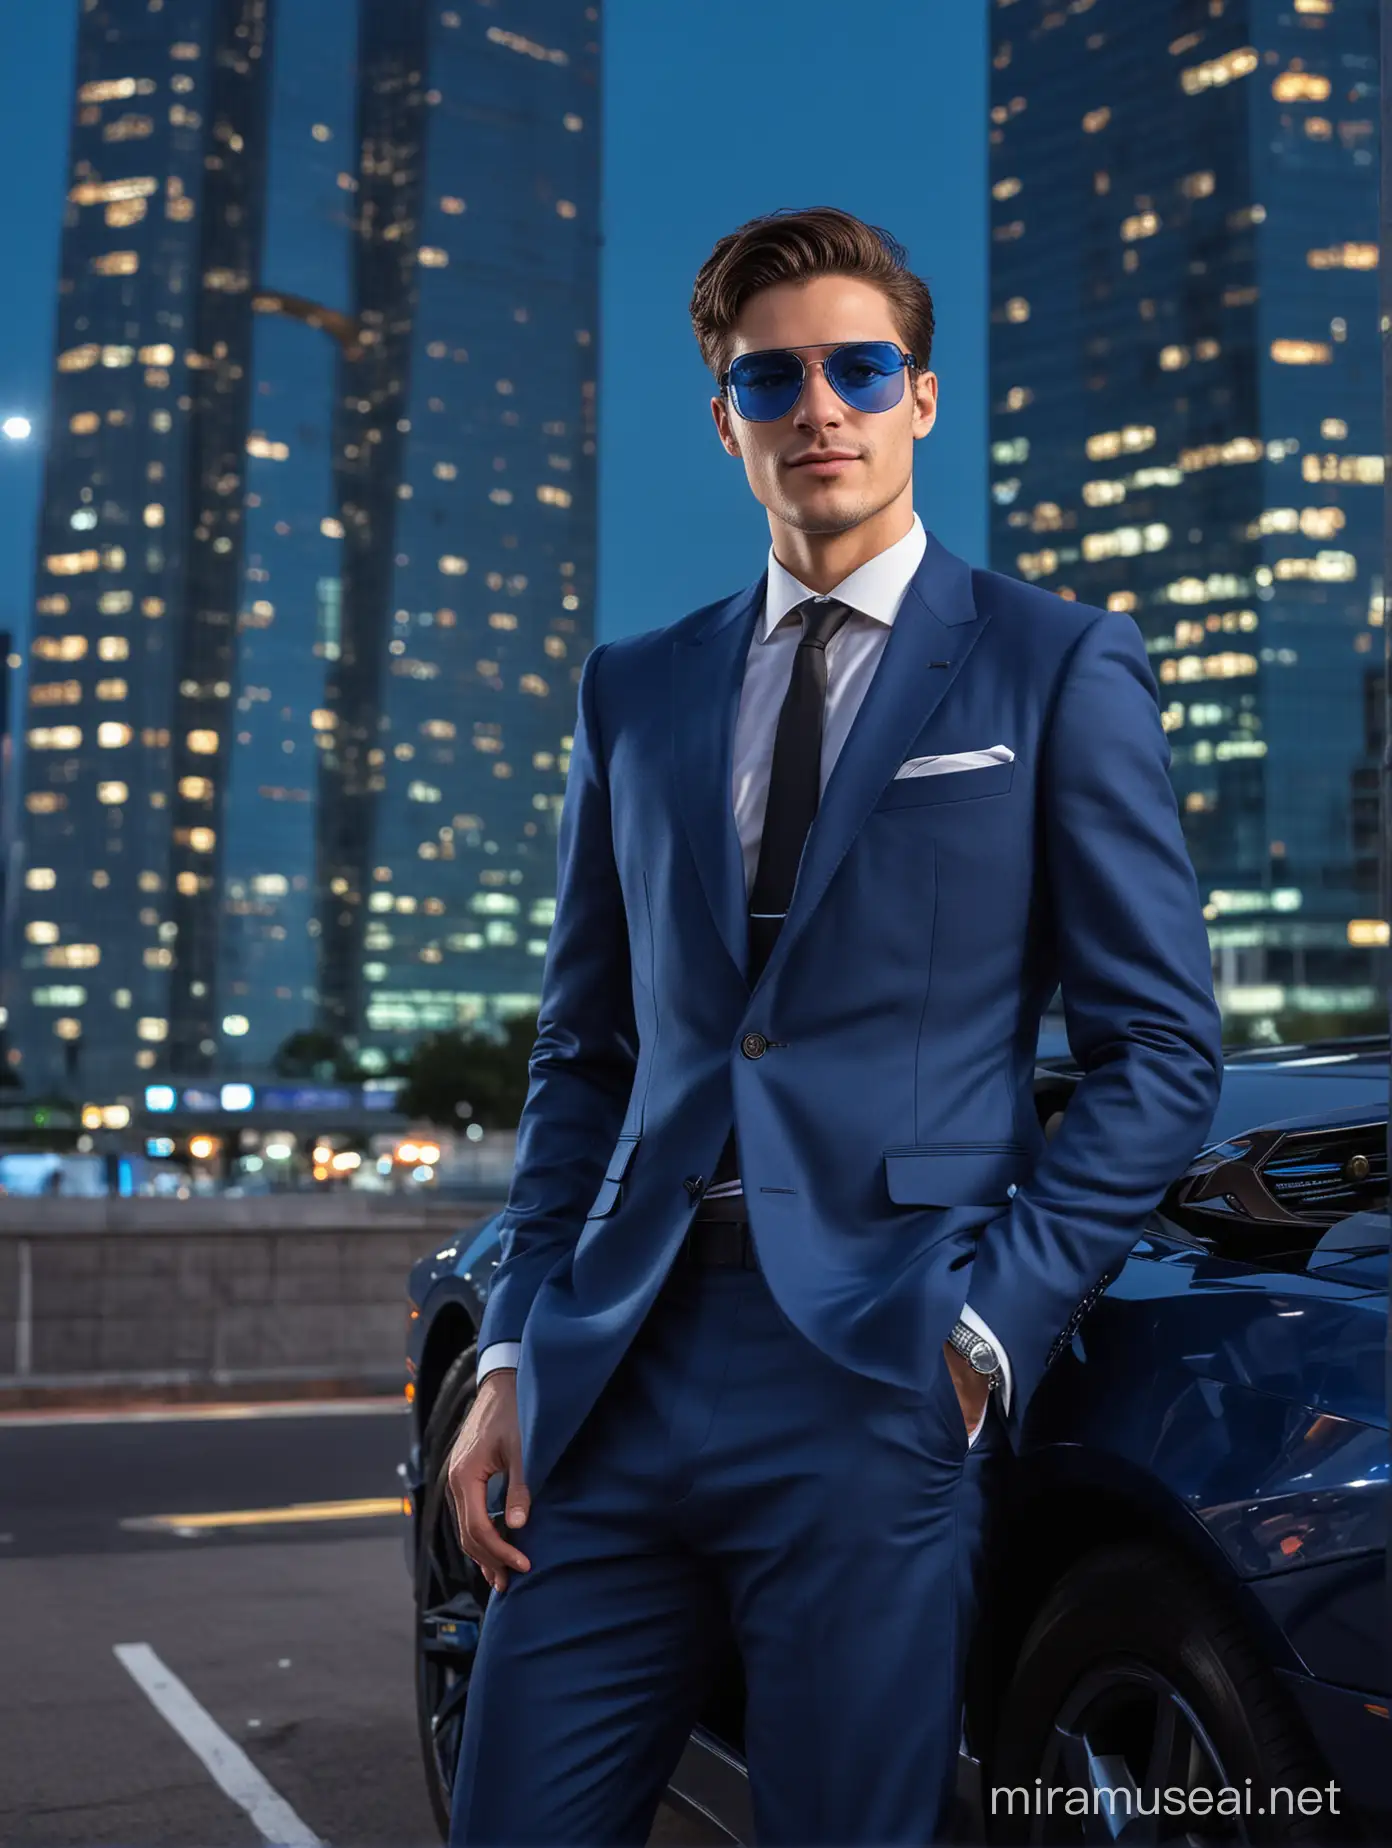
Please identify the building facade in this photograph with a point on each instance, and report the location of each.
(316, 554)
(114, 923)
(467, 466)
(1185, 424)
(287, 613)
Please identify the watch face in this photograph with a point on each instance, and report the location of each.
(983, 1357)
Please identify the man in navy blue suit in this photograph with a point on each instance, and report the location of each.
(786, 1251)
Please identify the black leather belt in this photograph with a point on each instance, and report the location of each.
(719, 1234)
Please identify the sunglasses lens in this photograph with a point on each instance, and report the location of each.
(869, 375)
(765, 386)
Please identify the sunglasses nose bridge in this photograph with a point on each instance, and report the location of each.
(828, 396)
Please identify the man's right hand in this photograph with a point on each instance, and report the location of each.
(489, 1441)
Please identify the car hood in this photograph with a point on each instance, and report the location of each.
(1354, 1253)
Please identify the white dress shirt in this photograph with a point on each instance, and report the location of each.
(874, 592)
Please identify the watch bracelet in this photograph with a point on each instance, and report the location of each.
(968, 1337)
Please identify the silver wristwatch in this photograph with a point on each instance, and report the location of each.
(979, 1352)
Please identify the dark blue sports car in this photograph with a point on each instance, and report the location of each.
(1184, 1588)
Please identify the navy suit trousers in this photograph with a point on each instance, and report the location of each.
(731, 1479)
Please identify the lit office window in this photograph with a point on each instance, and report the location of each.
(1302, 352)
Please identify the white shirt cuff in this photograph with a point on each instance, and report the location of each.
(973, 1320)
(509, 1353)
(497, 1354)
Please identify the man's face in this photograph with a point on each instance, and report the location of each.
(878, 444)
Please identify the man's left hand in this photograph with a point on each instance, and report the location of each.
(972, 1390)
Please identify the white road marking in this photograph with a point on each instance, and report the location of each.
(169, 1414)
(229, 1765)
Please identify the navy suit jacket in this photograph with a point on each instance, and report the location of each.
(880, 1071)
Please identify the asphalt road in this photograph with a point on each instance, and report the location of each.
(135, 1646)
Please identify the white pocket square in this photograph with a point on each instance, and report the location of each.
(955, 760)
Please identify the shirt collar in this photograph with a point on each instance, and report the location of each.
(875, 589)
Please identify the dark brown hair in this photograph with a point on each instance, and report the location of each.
(793, 245)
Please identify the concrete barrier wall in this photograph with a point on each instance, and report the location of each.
(287, 1292)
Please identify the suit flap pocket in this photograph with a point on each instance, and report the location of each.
(954, 1173)
(619, 1160)
(608, 1196)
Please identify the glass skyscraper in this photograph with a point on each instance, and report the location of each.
(467, 434)
(1185, 423)
(112, 970)
(316, 559)
(268, 969)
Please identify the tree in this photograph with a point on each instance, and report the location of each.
(312, 1053)
(456, 1078)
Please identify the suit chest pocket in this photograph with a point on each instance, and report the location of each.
(950, 786)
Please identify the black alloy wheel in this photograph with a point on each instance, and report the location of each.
(1141, 1702)
(451, 1593)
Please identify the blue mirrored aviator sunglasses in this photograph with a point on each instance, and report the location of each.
(867, 374)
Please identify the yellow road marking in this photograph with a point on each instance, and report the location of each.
(363, 1509)
(169, 1414)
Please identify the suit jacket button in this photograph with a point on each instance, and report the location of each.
(753, 1045)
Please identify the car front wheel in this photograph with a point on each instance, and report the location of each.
(450, 1591)
(1139, 1711)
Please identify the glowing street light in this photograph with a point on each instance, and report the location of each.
(17, 428)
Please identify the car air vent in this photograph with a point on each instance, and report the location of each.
(1324, 1175)
(1269, 1193)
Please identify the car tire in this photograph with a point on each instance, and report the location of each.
(450, 1593)
(1137, 1676)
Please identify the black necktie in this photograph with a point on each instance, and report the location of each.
(794, 793)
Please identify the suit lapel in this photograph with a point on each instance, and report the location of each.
(707, 676)
(937, 621)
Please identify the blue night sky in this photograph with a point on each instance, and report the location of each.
(716, 111)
